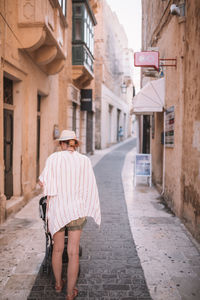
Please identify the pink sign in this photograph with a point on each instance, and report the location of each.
(147, 59)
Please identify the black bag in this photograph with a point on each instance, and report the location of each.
(43, 207)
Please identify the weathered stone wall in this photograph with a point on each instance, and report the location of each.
(65, 77)
(178, 37)
(115, 41)
(110, 44)
(165, 32)
(29, 80)
(98, 70)
(157, 149)
(154, 13)
(191, 139)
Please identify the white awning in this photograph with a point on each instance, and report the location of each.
(151, 98)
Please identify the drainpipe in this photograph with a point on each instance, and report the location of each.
(163, 175)
(182, 24)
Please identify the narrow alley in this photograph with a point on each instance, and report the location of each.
(115, 83)
(110, 267)
(140, 252)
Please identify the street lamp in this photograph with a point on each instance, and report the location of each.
(123, 88)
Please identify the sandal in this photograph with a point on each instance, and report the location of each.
(75, 294)
(58, 288)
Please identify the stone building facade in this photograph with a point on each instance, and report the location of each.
(176, 167)
(46, 65)
(112, 70)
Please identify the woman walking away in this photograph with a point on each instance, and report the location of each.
(69, 183)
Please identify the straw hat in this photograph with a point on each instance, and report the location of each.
(67, 135)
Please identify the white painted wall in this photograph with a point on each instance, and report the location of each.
(109, 127)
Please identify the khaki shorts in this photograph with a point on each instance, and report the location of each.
(75, 224)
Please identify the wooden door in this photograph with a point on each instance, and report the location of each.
(8, 152)
(89, 132)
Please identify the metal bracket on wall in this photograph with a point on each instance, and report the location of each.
(170, 62)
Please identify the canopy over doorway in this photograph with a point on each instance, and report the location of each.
(151, 98)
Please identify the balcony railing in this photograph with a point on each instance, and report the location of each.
(81, 56)
(83, 41)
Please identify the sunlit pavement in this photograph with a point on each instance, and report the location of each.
(170, 257)
(114, 261)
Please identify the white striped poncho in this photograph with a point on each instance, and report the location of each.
(68, 179)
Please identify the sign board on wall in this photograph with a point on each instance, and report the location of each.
(147, 59)
(86, 99)
(169, 127)
(143, 166)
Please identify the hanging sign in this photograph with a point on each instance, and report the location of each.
(86, 100)
(147, 59)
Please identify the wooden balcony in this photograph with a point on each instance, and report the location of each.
(82, 64)
(42, 30)
(82, 42)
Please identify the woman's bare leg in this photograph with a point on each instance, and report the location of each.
(58, 247)
(73, 256)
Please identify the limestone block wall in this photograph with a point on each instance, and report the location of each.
(29, 81)
(111, 104)
(83, 116)
(157, 149)
(191, 138)
(174, 94)
(168, 39)
(178, 37)
(110, 70)
(98, 95)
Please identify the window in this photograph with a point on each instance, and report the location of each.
(78, 35)
(8, 91)
(38, 103)
(78, 11)
(83, 26)
(83, 34)
(63, 6)
(88, 31)
(77, 23)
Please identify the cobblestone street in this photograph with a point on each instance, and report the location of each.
(110, 267)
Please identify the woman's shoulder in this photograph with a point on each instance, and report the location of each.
(54, 155)
(82, 156)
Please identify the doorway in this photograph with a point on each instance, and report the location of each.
(110, 108)
(8, 136)
(38, 136)
(118, 119)
(89, 132)
(74, 109)
(146, 134)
